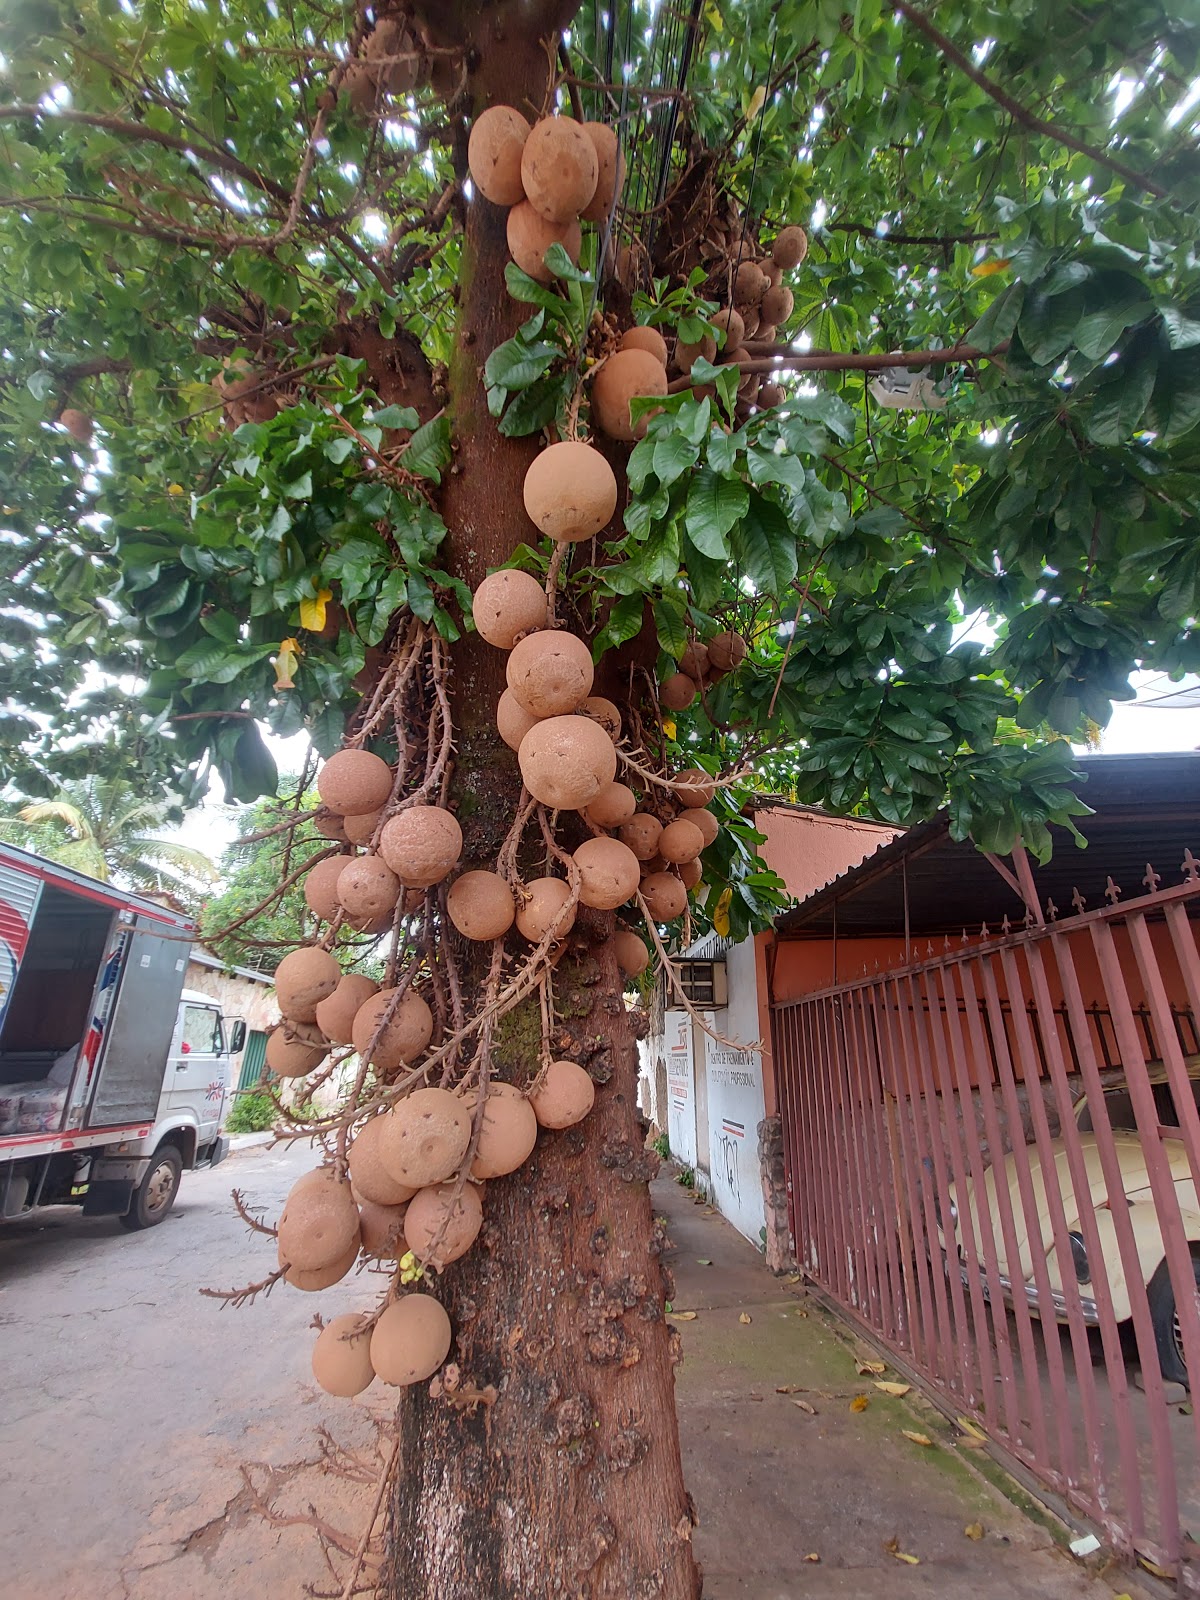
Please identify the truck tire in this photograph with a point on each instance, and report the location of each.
(155, 1195)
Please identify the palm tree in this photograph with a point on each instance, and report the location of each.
(100, 826)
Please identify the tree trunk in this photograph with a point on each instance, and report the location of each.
(564, 1479)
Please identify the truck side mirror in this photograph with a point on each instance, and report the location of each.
(237, 1036)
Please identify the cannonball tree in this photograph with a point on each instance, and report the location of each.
(573, 417)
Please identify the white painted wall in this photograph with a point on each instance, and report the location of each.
(681, 1087)
(736, 1103)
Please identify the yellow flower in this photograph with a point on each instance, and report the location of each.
(721, 914)
(989, 269)
(668, 727)
(174, 488)
(286, 663)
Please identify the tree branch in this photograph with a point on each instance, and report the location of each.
(1021, 113)
(781, 359)
(939, 239)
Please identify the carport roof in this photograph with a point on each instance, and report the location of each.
(1147, 812)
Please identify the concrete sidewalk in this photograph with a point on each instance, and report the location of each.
(798, 1493)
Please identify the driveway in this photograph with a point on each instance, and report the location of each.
(130, 1403)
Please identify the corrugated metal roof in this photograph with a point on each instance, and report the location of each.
(1147, 813)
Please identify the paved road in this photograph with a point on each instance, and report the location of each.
(130, 1402)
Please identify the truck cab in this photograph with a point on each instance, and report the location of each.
(113, 1078)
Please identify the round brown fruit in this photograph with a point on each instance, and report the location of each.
(623, 377)
(706, 822)
(341, 1358)
(320, 887)
(480, 905)
(421, 845)
(614, 805)
(368, 1172)
(530, 236)
(777, 304)
(330, 826)
(765, 333)
(440, 1226)
(319, 1277)
(544, 911)
(507, 604)
(732, 324)
(790, 248)
(410, 1340)
(302, 980)
(752, 321)
(771, 394)
(288, 1057)
(564, 1095)
(681, 841)
(694, 660)
(507, 1134)
(335, 1014)
(388, 39)
(78, 424)
(690, 873)
(512, 720)
(382, 1228)
(319, 1221)
(401, 1039)
(686, 355)
(368, 889)
(604, 712)
(610, 173)
(727, 651)
(749, 285)
(664, 895)
(632, 956)
(655, 864)
(566, 761)
(693, 788)
(494, 150)
(550, 672)
(642, 833)
(648, 339)
(427, 1137)
(608, 873)
(354, 781)
(570, 491)
(559, 169)
(677, 692)
(771, 271)
(361, 829)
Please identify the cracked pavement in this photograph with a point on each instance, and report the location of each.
(131, 1402)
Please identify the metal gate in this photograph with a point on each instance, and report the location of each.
(253, 1056)
(993, 1159)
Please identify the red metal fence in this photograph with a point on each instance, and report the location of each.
(994, 1162)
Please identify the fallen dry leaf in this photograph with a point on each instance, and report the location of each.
(917, 1438)
(895, 1389)
(682, 1316)
(859, 1403)
(812, 1556)
(875, 1367)
(755, 1397)
(702, 1261)
(745, 1317)
(800, 1311)
(792, 1277)
(893, 1549)
(1153, 1568)
(974, 1530)
(971, 1430)
(804, 1406)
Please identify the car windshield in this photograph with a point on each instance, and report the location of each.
(1119, 1104)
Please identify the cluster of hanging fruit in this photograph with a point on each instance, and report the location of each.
(759, 303)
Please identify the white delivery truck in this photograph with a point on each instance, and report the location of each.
(113, 1076)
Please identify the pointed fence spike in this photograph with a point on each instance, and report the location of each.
(1190, 867)
(1078, 901)
(1152, 879)
(1112, 891)
(1006, 926)
(983, 930)
(1051, 909)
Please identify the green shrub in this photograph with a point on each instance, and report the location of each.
(662, 1147)
(687, 1178)
(250, 1113)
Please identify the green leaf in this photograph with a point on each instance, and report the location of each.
(515, 364)
(673, 456)
(537, 406)
(428, 451)
(624, 621)
(714, 504)
(300, 488)
(561, 265)
(1183, 332)
(764, 546)
(396, 417)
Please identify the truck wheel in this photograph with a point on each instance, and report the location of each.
(155, 1195)
(1165, 1320)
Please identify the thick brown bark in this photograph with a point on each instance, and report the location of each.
(567, 1480)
